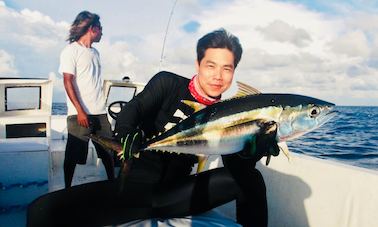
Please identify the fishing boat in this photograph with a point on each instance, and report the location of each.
(305, 191)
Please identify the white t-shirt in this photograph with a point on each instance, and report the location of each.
(84, 64)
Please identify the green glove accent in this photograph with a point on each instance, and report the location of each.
(125, 141)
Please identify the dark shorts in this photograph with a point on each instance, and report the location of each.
(77, 142)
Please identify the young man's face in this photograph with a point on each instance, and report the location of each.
(216, 71)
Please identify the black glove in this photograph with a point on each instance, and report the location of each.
(131, 141)
(259, 146)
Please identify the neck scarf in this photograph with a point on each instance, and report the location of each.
(193, 88)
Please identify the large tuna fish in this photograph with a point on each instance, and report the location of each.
(227, 126)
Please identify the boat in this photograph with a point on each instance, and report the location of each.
(305, 191)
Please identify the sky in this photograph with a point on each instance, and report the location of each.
(324, 49)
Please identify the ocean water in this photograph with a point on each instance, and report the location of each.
(59, 108)
(351, 137)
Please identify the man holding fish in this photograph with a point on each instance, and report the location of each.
(185, 117)
(160, 106)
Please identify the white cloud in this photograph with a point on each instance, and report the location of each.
(283, 32)
(6, 64)
(352, 44)
(119, 61)
(287, 47)
(32, 39)
(364, 21)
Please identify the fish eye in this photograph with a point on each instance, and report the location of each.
(314, 111)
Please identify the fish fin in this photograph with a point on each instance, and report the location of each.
(245, 89)
(202, 159)
(194, 105)
(284, 148)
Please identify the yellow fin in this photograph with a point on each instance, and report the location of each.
(283, 147)
(194, 105)
(202, 159)
(245, 89)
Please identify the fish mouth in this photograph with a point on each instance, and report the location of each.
(333, 113)
(330, 114)
(326, 116)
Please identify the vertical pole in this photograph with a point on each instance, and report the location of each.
(166, 34)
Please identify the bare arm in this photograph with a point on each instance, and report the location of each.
(82, 118)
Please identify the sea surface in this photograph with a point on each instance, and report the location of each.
(351, 137)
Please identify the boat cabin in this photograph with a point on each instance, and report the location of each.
(25, 107)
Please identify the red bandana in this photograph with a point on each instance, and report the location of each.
(200, 98)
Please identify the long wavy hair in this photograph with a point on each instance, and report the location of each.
(83, 21)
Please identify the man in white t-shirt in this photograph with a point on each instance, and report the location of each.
(81, 70)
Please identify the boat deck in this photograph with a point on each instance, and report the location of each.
(92, 171)
(38, 169)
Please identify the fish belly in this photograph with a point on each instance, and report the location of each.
(205, 147)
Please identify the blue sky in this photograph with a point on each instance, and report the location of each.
(325, 49)
(337, 6)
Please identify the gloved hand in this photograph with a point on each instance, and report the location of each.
(259, 146)
(131, 141)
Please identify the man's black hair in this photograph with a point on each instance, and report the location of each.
(219, 39)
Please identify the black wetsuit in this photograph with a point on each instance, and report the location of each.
(158, 184)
